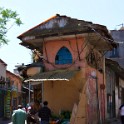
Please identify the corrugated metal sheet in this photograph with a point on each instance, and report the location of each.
(53, 75)
(115, 66)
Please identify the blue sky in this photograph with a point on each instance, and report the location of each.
(33, 12)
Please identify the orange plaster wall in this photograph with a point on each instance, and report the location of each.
(62, 95)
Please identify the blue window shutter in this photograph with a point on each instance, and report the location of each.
(63, 56)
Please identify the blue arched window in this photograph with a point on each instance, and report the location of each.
(63, 56)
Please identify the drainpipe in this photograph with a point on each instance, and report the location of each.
(42, 86)
(104, 89)
(98, 111)
(29, 92)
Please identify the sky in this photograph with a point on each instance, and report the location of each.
(32, 12)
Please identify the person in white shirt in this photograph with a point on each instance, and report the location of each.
(121, 111)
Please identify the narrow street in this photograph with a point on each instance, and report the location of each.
(2, 121)
(9, 122)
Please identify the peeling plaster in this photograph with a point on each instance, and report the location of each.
(53, 23)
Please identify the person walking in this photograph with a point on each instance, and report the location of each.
(121, 113)
(44, 113)
(32, 113)
(19, 116)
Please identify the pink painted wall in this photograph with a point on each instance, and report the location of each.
(15, 80)
(92, 101)
(52, 47)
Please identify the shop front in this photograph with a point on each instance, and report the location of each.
(14, 98)
(7, 107)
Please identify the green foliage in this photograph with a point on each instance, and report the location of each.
(7, 17)
(54, 116)
(65, 114)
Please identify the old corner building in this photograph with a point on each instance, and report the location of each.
(72, 71)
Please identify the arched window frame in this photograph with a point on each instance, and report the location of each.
(63, 56)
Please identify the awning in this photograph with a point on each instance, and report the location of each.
(53, 76)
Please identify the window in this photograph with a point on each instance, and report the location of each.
(91, 58)
(63, 56)
(114, 53)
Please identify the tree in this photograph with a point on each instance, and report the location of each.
(8, 18)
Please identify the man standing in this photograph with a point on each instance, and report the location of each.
(19, 116)
(44, 113)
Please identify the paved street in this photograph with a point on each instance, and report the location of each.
(115, 121)
(2, 121)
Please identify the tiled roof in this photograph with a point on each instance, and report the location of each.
(61, 24)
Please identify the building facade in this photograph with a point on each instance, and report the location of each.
(3, 89)
(72, 52)
(116, 56)
(16, 89)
